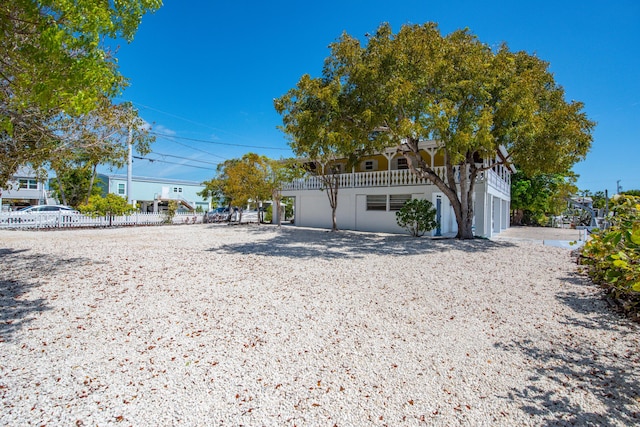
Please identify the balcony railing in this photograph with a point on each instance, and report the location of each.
(391, 178)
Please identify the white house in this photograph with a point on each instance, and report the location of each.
(371, 193)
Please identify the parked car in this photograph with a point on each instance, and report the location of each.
(216, 215)
(48, 209)
(44, 214)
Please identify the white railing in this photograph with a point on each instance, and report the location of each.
(363, 179)
(66, 220)
(390, 178)
(497, 182)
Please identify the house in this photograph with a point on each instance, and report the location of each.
(154, 194)
(371, 193)
(25, 189)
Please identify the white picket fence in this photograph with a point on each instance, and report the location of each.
(65, 220)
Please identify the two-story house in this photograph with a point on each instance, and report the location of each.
(154, 194)
(370, 194)
(24, 189)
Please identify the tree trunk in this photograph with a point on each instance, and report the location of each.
(61, 189)
(462, 204)
(333, 201)
(278, 199)
(465, 224)
(516, 217)
(93, 177)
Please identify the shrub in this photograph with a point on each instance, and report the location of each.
(172, 208)
(612, 256)
(417, 216)
(112, 204)
(268, 214)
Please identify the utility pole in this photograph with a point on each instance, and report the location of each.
(618, 187)
(130, 167)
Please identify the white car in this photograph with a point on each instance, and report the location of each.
(44, 214)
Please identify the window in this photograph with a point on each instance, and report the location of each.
(121, 189)
(29, 184)
(177, 189)
(396, 201)
(369, 165)
(402, 163)
(377, 202)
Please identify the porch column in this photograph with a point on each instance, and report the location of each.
(388, 156)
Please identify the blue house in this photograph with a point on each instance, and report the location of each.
(154, 194)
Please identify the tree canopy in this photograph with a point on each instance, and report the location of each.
(400, 89)
(534, 198)
(54, 63)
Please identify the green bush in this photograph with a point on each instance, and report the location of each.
(417, 216)
(170, 213)
(612, 256)
(112, 204)
(268, 214)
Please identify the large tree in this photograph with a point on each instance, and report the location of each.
(419, 85)
(320, 125)
(241, 181)
(54, 62)
(100, 137)
(534, 198)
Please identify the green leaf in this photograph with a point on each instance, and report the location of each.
(635, 233)
(620, 263)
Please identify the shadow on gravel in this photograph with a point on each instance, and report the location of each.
(577, 366)
(595, 312)
(18, 276)
(323, 244)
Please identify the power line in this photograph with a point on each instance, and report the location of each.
(172, 163)
(218, 143)
(184, 158)
(195, 149)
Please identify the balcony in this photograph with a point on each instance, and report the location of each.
(395, 178)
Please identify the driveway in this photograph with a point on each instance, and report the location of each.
(548, 236)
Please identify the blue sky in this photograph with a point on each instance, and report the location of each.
(205, 72)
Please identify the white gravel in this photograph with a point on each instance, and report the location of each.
(203, 325)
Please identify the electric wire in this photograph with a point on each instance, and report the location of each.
(172, 163)
(217, 143)
(183, 158)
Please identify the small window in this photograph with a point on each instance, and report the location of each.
(29, 184)
(396, 201)
(121, 189)
(377, 202)
(369, 165)
(177, 189)
(402, 163)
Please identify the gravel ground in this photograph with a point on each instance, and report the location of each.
(203, 325)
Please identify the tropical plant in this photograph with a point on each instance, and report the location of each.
(317, 122)
(612, 256)
(110, 205)
(56, 63)
(75, 183)
(418, 216)
(535, 198)
(170, 213)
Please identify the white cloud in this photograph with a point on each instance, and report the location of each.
(163, 130)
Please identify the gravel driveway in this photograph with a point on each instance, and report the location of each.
(203, 325)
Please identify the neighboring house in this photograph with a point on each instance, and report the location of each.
(24, 190)
(154, 194)
(370, 195)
